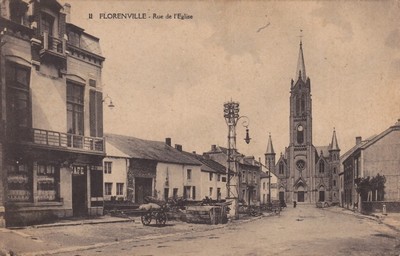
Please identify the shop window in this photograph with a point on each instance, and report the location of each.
(47, 182)
(19, 180)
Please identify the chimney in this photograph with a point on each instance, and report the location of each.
(358, 140)
(178, 147)
(194, 152)
(168, 141)
(213, 147)
(67, 11)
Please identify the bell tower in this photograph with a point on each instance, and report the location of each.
(301, 152)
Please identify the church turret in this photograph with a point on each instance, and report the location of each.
(270, 155)
(334, 149)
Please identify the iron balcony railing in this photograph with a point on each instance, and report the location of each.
(67, 140)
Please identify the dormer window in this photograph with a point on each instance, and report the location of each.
(74, 38)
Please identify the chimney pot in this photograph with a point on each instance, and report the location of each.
(168, 141)
(358, 140)
(178, 147)
(213, 147)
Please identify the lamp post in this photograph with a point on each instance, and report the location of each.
(231, 115)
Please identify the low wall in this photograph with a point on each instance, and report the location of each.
(377, 206)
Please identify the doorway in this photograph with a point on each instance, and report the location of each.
(300, 196)
(321, 196)
(79, 194)
(143, 188)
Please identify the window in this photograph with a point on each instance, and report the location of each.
(211, 192)
(74, 38)
(107, 167)
(334, 183)
(175, 193)
(219, 177)
(46, 24)
(120, 189)
(300, 134)
(300, 165)
(75, 108)
(218, 193)
(95, 112)
(281, 168)
(47, 182)
(108, 188)
(189, 174)
(17, 11)
(224, 179)
(211, 176)
(19, 183)
(334, 170)
(263, 185)
(18, 103)
(321, 167)
(193, 192)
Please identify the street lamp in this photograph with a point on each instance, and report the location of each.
(231, 115)
(110, 104)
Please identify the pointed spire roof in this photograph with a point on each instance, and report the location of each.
(270, 148)
(301, 67)
(334, 143)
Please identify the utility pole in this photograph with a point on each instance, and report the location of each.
(231, 115)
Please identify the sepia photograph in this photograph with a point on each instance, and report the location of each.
(241, 127)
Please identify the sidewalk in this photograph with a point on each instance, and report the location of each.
(392, 220)
(78, 235)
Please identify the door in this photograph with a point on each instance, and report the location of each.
(143, 188)
(281, 196)
(300, 196)
(79, 194)
(321, 196)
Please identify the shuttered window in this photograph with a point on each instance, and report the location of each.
(96, 113)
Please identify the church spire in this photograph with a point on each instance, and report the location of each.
(301, 67)
(270, 148)
(334, 143)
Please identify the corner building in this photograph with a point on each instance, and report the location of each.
(306, 173)
(51, 115)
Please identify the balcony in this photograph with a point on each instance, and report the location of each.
(59, 140)
(53, 50)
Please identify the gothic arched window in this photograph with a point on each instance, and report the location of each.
(281, 168)
(298, 111)
(321, 167)
(303, 104)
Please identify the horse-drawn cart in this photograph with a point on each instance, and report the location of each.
(152, 211)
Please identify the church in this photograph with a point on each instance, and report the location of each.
(306, 173)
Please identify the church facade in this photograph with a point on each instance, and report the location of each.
(306, 173)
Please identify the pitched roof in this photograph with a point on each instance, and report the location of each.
(208, 165)
(353, 149)
(301, 67)
(150, 150)
(334, 144)
(270, 148)
(324, 149)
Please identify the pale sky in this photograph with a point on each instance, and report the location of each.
(170, 77)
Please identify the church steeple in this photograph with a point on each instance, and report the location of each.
(334, 143)
(301, 67)
(270, 148)
(270, 156)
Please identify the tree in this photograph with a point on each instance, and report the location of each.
(375, 185)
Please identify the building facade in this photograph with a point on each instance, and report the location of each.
(52, 124)
(379, 154)
(249, 171)
(306, 173)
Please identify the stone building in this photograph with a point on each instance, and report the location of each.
(378, 154)
(306, 173)
(51, 131)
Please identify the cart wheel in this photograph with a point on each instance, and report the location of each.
(161, 218)
(146, 219)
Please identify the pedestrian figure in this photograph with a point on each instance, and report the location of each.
(294, 204)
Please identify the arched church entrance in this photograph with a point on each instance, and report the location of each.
(300, 194)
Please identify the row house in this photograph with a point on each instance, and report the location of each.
(268, 187)
(136, 168)
(213, 177)
(51, 132)
(249, 172)
(379, 154)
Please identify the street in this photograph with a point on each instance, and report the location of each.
(305, 230)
